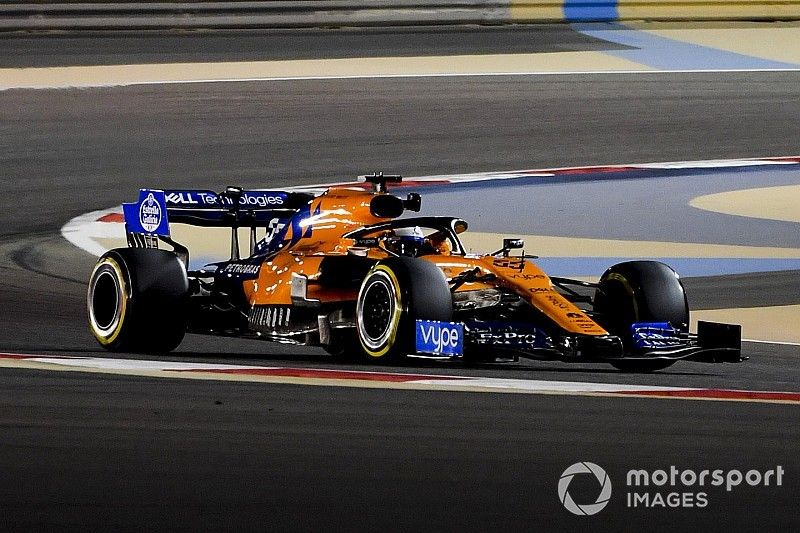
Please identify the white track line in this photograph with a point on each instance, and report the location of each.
(372, 379)
(462, 75)
(781, 343)
(83, 229)
(391, 76)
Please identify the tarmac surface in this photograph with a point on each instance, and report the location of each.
(121, 452)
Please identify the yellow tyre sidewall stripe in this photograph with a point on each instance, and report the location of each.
(105, 338)
(396, 315)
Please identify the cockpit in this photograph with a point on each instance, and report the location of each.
(414, 237)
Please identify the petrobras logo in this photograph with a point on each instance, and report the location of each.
(150, 214)
(241, 269)
(440, 338)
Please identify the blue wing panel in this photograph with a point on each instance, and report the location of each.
(148, 216)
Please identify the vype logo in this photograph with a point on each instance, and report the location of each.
(440, 338)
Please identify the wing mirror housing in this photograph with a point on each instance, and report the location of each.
(508, 245)
(413, 202)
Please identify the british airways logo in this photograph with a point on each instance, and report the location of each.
(440, 338)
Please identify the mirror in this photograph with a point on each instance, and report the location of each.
(513, 244)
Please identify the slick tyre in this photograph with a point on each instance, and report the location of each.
(137, 300)
(640, 291)
(394, 294)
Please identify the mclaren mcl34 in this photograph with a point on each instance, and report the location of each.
(352, 271)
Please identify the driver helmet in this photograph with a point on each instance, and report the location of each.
(407, 241)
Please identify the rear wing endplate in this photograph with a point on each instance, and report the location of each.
(148, 216)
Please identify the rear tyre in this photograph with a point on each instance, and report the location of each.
(395, 294)
(137, 300)
(640, 291)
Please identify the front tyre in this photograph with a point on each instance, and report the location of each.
(640, 291)
(136, 300)
(395, 294)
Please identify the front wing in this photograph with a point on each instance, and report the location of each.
(713, 342)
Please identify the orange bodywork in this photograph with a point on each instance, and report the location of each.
(340, 210)
(529, 281)
(335, 212)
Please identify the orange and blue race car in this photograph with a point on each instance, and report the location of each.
(351, 271)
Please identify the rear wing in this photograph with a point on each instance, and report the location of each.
(147, 220)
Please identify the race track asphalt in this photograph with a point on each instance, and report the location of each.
(116, 48)
(125, 453)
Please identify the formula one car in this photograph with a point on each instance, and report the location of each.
(345, 270)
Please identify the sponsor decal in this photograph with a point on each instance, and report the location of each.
(261, 200)
(180, 198)
(210, 199)
(440, 338)
(556, 301)
(150, 214)
(528, 277)
(147, 216)
(274, 227)
(581, 320)
(273, 240)
(191, 198)
(509, 339)
(515, 335)
(241, 268)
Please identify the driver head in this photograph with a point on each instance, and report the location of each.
(407, 241)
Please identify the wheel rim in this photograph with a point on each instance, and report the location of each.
(378, 313)
(106, 302)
